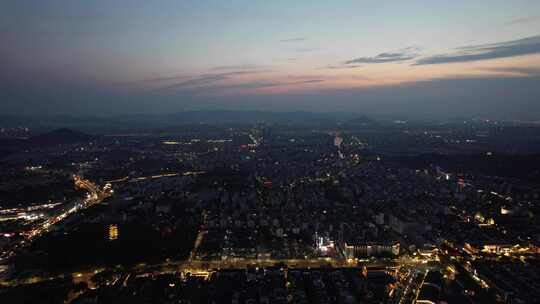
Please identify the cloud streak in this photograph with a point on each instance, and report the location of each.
(268, 84)
(339, 67)
(297, 39)
(243, 67)
(306, 50)
(405, 54)
(199, 81)
(523, 20)
(520, 71)
(525, 46)
(205, 79)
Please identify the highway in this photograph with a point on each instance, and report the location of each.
(95, 196)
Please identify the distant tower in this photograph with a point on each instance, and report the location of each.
(338, 140)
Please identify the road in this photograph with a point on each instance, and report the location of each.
(199, 267)
(142, 178)
(200, 237)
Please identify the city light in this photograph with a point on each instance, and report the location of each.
(113, 232)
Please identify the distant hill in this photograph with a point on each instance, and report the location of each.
(57, 137)
(255, 116)
(61, 136)
(126, 123)
(360, 121)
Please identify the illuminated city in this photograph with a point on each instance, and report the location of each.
(331, 212)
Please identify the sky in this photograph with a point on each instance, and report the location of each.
(411, 58)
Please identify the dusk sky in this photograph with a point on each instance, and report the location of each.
(415, 58)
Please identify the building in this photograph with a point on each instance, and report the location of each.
(354, 249)
(400, 225)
